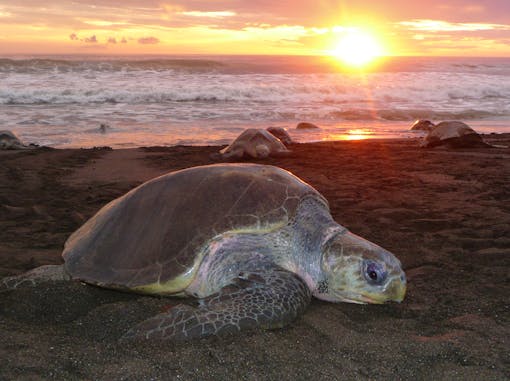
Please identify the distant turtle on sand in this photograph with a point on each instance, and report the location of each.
(282, 134)
(453, 134)
(422, 125)
(254, 143)
(10, 141)
(252, 242)
(306, 126)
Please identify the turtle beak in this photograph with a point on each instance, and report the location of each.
(397, 289)
(394, 292)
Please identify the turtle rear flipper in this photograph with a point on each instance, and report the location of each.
(265, 299)
(34, 277)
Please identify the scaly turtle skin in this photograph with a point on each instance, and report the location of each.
(253, 243)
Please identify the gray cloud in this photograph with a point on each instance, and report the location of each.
(148, 40)
(91, 39)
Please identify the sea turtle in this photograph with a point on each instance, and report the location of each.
(8, 140)
(306, 126)
(254, 143)
(422, 125)
(453, 134)
(282, 134)
(252, 242)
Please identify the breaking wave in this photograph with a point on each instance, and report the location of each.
(66, 93)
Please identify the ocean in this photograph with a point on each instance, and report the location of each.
(196, 100)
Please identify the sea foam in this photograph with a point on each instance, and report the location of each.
(208, 100)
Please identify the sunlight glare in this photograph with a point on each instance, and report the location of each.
(354, 134)
(357, 47)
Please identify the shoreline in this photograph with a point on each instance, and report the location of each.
(121, 138)
(416, 137)
(443, 212)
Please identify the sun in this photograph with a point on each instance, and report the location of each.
(356, 47)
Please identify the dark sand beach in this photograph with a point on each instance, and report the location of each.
(444, 213)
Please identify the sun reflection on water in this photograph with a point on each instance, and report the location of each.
(354, 134)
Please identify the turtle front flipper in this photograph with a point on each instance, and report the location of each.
(257, 299)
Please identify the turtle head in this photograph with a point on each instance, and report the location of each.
(357, 271)
(262, 151)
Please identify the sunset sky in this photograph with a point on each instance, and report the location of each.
(401, 27)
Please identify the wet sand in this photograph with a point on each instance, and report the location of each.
(445, 213)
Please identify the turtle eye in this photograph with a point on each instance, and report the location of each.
(374, 272)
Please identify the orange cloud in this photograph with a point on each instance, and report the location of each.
(212, 14)
(444, 26)
(248, 26)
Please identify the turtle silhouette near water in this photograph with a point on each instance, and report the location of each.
(282, 134)
(254, 143)
(453, 134)
(253, 243)
(8, 140)
(422, 125)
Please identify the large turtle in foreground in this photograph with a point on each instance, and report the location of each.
(252, 242)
